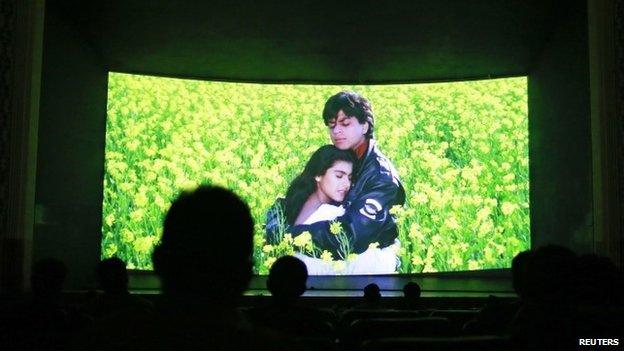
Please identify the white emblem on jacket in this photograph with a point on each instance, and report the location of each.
(371, 208)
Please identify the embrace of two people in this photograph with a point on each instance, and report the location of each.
(343, 197)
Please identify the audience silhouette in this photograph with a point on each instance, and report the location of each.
(116, 301)
(204, 264)
(371, 298)
(497, 314)
(519, 273)
(42, 321)
(47, 279)
(411, 296)
(287, 282)
(546, 319)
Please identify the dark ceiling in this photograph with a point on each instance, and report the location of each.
(315, 41)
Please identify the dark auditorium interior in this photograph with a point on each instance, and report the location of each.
(55, 59)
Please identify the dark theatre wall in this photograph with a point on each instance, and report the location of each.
(619, 62)
(7, 44)
(71, 151)
(560, 154)
(72, 125)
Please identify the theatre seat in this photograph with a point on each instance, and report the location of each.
(377, 328)
(456, 343)
(457, 318)
(349, 316)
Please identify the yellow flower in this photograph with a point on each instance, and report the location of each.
(133, 145)
(507, 208)
(396, 210)
(188, 185)
(469, 174)
(287, 238)
(110, 219)
(267, 248)
(141, 199)
(258, 240)
(126, 235)
(373, 245)
(452, 223)
(489, 254)
(110, 250)
(132, 176)
(269, 262)
(150, 176)
(473, 265)
(511, 187)
(429, 268)
(125, 187)
(420, 198)
(436, 239)
(485, 228)
(509, 178)
(137, 214)
(326, 256)
(143, 245)
(335, 228)
(491, 202)
(114, 155)
(415, 234)
(303, 239)
(150, 151)
(500, 249)
(352, 257)
(417, 261)
(483, 214)
(161, 203)
(450, 175)
(455, 261)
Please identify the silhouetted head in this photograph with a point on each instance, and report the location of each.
(287, 278)
(47, 277)
(550, 275)
(411, 290)
(112, 276)
(327, 172)
(371, 293)
(519, 272)
(206, 246)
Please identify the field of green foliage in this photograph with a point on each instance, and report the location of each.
(461, 151)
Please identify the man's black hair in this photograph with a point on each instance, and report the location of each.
(352, 104)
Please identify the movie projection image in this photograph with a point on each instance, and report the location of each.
(460, 150)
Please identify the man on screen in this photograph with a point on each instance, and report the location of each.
(375, 189)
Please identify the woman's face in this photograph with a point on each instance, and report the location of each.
(335, 183)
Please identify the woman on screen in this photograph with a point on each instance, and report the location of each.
(317, 194)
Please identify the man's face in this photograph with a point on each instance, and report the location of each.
(347, 132)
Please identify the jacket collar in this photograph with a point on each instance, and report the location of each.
(362, 160)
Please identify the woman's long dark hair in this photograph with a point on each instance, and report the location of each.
(304, 184)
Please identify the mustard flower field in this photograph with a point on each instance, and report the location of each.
(460, 148)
